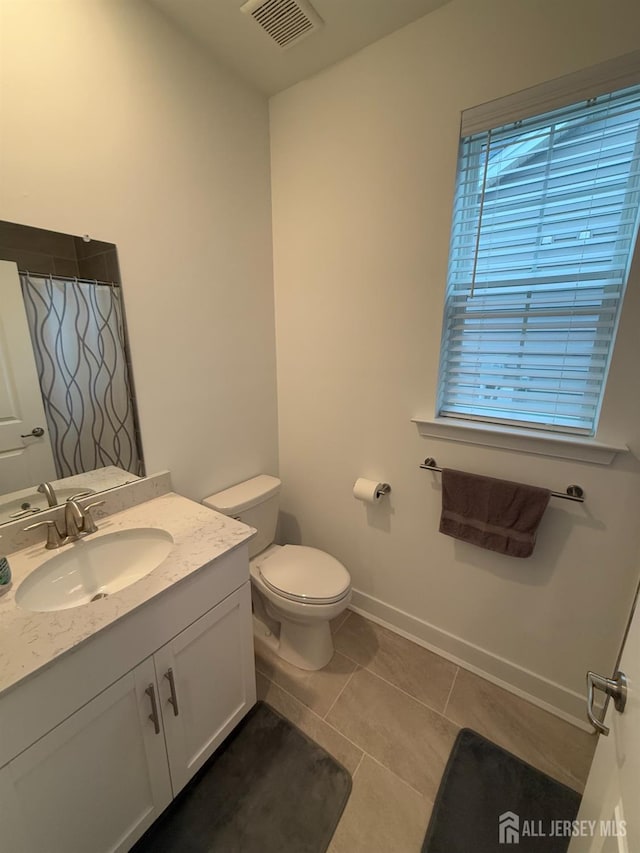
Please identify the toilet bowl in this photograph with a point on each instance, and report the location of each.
(296, 590)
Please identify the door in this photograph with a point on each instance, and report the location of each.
(207, 683)
(96, 782)
(612, 795)
(25, 459)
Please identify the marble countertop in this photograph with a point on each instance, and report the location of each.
(30, 640)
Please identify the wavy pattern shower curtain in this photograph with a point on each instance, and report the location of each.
(77, 332)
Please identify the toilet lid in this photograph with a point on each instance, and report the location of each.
(305, 574)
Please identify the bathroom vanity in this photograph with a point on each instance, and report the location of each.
(109, 708)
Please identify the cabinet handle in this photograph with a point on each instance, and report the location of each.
(173, 699)
(153, 716)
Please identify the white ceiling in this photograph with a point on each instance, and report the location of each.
(239, 43)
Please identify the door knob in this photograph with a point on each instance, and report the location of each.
(615, 687)
(36, 432)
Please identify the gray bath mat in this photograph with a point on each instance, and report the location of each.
(480, 785)
(268, 789)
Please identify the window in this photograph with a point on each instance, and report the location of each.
(544, 225)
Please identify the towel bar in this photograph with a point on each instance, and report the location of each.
(573, 493)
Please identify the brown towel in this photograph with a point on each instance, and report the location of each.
(495, 514)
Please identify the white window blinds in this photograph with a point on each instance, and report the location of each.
(544, 225)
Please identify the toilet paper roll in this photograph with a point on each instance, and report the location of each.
(368, 490)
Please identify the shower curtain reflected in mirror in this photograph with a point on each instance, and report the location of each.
(77, 330)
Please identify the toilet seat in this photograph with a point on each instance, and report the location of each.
(304, 574)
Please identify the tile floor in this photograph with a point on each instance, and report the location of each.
(390, 710)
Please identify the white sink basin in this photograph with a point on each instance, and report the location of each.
(93, 568)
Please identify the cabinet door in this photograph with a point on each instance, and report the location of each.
(11, 835)
(98, 780)
(207, 683)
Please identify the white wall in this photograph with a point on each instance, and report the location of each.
(363, 166)
(115, 125)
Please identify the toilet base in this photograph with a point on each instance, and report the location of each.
(308, 646)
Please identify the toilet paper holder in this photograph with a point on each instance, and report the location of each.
(370, 491)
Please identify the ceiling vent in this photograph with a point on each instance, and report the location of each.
(285, 21)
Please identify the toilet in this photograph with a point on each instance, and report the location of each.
(295, 590)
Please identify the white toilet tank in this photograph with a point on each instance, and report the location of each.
(254, 502)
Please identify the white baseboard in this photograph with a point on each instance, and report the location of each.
(548, 695)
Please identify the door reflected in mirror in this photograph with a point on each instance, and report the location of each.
(67, 408)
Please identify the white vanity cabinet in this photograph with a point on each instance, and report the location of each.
(206, 682)
(94, 783)
(99, 779)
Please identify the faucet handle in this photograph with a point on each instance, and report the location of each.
(23, 513)
(79, 495)
(54, 538)
(89, 523)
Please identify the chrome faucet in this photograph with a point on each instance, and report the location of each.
(46, 489)
(74, 519)
(77, 522)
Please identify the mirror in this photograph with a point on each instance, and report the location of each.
(67, 407)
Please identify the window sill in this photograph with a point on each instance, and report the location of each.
(524, 440)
